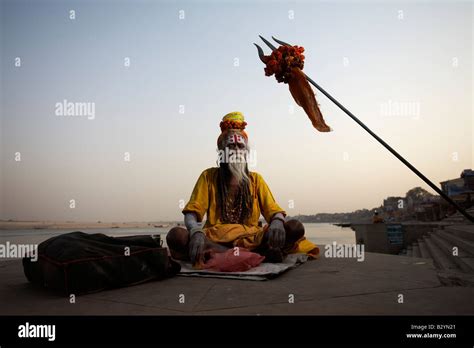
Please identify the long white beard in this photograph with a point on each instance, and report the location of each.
(238, 171)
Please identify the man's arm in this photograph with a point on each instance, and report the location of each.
(191, 223)
(199, 200)
(197, 239)
(193, 214)
(273, 213)
(268, 206)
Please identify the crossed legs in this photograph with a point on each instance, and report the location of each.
(178, 240)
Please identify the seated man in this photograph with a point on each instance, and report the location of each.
(377, 219)
(233, 199)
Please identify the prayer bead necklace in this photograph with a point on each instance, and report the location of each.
(233, 209)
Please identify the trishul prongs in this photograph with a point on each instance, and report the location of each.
(269, 44)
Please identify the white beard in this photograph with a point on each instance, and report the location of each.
(238, 171)
(236, 161)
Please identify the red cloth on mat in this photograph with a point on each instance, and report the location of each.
(234, 260)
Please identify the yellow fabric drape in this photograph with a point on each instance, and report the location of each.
(203, 201)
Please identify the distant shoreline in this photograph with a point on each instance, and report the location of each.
(66, 225)
(53, 225)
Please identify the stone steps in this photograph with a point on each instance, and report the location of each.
(425, 253)
(451, 247)
(441, 261)
(459, 218)
(452, 252)
(416, 250)
(462, 231)
(457, 241)
(463, 259)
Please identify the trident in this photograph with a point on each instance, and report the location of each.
(360, 123)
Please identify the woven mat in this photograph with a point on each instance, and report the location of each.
(264, 271)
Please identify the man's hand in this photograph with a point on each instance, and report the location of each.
(196, 247)
(276, 234)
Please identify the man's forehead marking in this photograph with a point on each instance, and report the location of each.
(235, 138)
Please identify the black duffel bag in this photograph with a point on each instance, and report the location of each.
(78, 263)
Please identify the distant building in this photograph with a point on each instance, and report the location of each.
(429, 209)
(468, 176)
(394, 207)
(460, 190)
(394, 203)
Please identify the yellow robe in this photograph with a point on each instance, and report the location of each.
(204, 201)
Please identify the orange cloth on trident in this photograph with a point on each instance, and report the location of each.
(204, 201)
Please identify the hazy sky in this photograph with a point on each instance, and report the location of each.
(198, 57)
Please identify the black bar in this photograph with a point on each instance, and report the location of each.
(216, 330)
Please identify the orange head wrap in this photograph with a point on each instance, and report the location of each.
(232, 121)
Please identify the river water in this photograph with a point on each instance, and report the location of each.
(319, 233)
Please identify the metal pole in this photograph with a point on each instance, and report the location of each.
(395, 153)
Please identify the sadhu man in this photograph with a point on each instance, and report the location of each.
(233, 198)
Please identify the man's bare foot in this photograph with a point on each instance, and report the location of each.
(212, 248)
